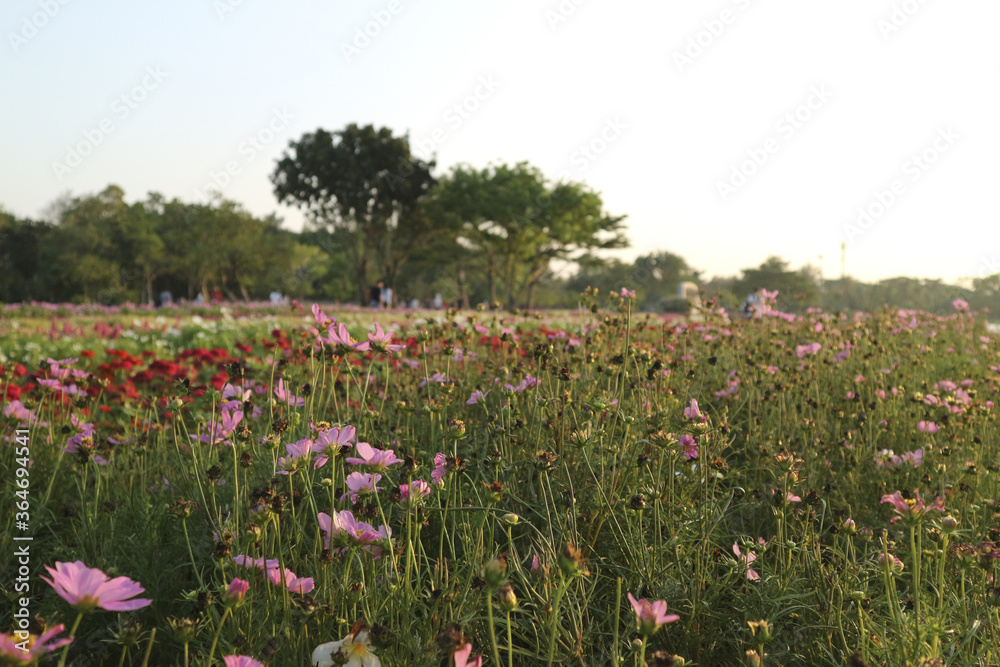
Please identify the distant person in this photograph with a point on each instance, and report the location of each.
(386, 297)
(438, 301)
(216, 295)
(166, 298)
(276, 298)
(414, 303)
(375, 298)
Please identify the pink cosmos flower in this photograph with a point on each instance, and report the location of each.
(895, 564)
(382, 341)
(56, 385)
(237, 590)
(231, 393)
(259, 563)
(693, 413)
(287, 397)
(649, 616)
(689, 446)
(86, 588)
(528, 382)
(927, 427)
(361, 484)
(440, 469)
(477, 396)
(321, 318)
(83, 440)
(377, 459)
(17, 410)
(914, 458)
(437, 377)
(960, 305)
(341, 338)
(23, 648)
(627, 293)
(913, 508)
(291, 581)
(343, 531)
(461, 657)
(241, 661)
(748, 558)
(329, 442)
(411, 494)
(803, 350)
(298, 453)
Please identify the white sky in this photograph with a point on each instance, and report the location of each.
(561, 74)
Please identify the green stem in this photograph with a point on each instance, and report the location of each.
(618, 612)
(510, 644)
(72, 633)
(218, 631)
(493, 630)
(187, 539)
(555, 618)
(149, 648)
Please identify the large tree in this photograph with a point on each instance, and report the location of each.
(364, 183)
(517, 223)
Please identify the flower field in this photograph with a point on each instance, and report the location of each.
(279, 486)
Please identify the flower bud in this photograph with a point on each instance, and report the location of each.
(456, 427)
(506, 598)
(510, 519)
(949, 524)
(237, 590)
(495, 572)
(184, 629)
(761, 631)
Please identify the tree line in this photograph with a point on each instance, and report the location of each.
(377, 213)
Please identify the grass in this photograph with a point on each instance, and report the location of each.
(558, 496)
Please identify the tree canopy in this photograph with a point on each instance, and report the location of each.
(364, 183)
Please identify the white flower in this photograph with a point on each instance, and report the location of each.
(355, 649)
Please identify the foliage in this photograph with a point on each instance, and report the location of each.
(364, 183)
(738, 470)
